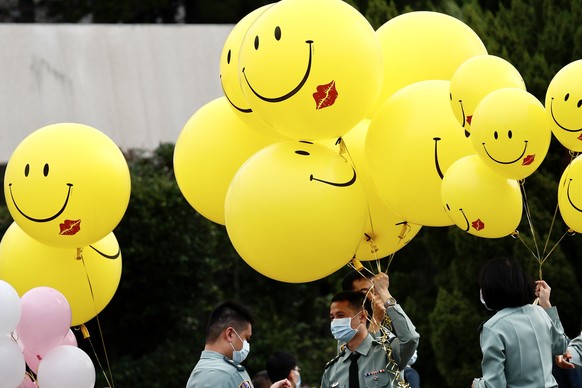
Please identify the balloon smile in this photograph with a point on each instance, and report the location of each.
(436, 157)
(111, 257)
(292, 92)
(466, 220)
(556, 121)
(570, 199)
(243, 110)
(510, 162)
(344, 184)
(42, 219)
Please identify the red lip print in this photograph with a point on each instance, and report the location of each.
(579, 137)
(70, 227)
(469, 118)
(528, 160)
(478, 224)
(325, 95)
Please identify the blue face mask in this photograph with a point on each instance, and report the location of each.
(240, 355)
(483, 301)
(341, 329)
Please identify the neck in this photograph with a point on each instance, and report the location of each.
(357, 340)
(223, 349)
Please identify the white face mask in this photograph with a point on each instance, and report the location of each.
(341, 329)
(240, 355)
(483, 300)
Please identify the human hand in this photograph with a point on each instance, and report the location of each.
(378, 312)
(563, 361)
(381, 284)
(282, 384)
(543, 291)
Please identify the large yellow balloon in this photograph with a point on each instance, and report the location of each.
(477, 77)
(480, 201)
(229, 74)
(423, 45)
(88, 284)
(570, 195)
(411, 142)
(510, 132)
(563, 102)
(67, 185)
(311, 69)
(386, 231)
(295, 211)
(213, 144)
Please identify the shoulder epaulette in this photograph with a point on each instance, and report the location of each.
(238, 366)
(333, 360)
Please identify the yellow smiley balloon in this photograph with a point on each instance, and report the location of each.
(411, 142)
(570, 195)
(423, 45)
(67, 185)
(510, 133)
(211, 147)
(477, 77)
(295, 211)
(88, 284)
(386, 231)
(564, 106)
(311, 69)
(480, 201)
(229, 74)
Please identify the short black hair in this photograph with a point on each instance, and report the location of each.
(504, 283)
(348, 280)
(227, 314)
(261, 380)
(279, 365)
(355, 299)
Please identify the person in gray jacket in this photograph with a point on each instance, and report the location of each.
(572, 358)
(520, 341)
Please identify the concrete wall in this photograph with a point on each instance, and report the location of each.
(138, 84)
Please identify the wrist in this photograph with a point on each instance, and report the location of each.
(390, 302)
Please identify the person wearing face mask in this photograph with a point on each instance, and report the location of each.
(366, 361)
(519, 342)
(228, 333)
(282, 365)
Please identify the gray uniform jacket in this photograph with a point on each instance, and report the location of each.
(519, 345)
(214, 370)
(575, 349)
(372, 363)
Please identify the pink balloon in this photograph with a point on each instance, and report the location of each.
(45, 319)
(33, 359)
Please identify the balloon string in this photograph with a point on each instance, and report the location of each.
(86, 336)
(80, 257)
(569, 231)
(518, 236)
(529, 219)
(549, 233)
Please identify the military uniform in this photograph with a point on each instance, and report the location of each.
(373, 370)
(214, 370)
(575, 349)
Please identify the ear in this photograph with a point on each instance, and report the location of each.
(228, 334)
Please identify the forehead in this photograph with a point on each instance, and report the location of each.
(361, 284)
(342, 306)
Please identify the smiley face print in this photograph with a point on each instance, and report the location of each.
(510, 133)
(67, 185)
(311, 70)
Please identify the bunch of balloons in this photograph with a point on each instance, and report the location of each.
(34, 331)
(67, 187)
(334, 141)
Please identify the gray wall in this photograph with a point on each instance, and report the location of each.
(138, 84)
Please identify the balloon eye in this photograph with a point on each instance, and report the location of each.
(45, 170)
(228, 57)
(579, 103)
(301, 152)
(448, 207)
(566, 96)
(495, 135)
(26, 170)
(278, 33)
(451, 96)
(256, 42)
(509, 134)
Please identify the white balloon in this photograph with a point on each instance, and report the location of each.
(9, 308)
(66, 366)
(12, 367)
